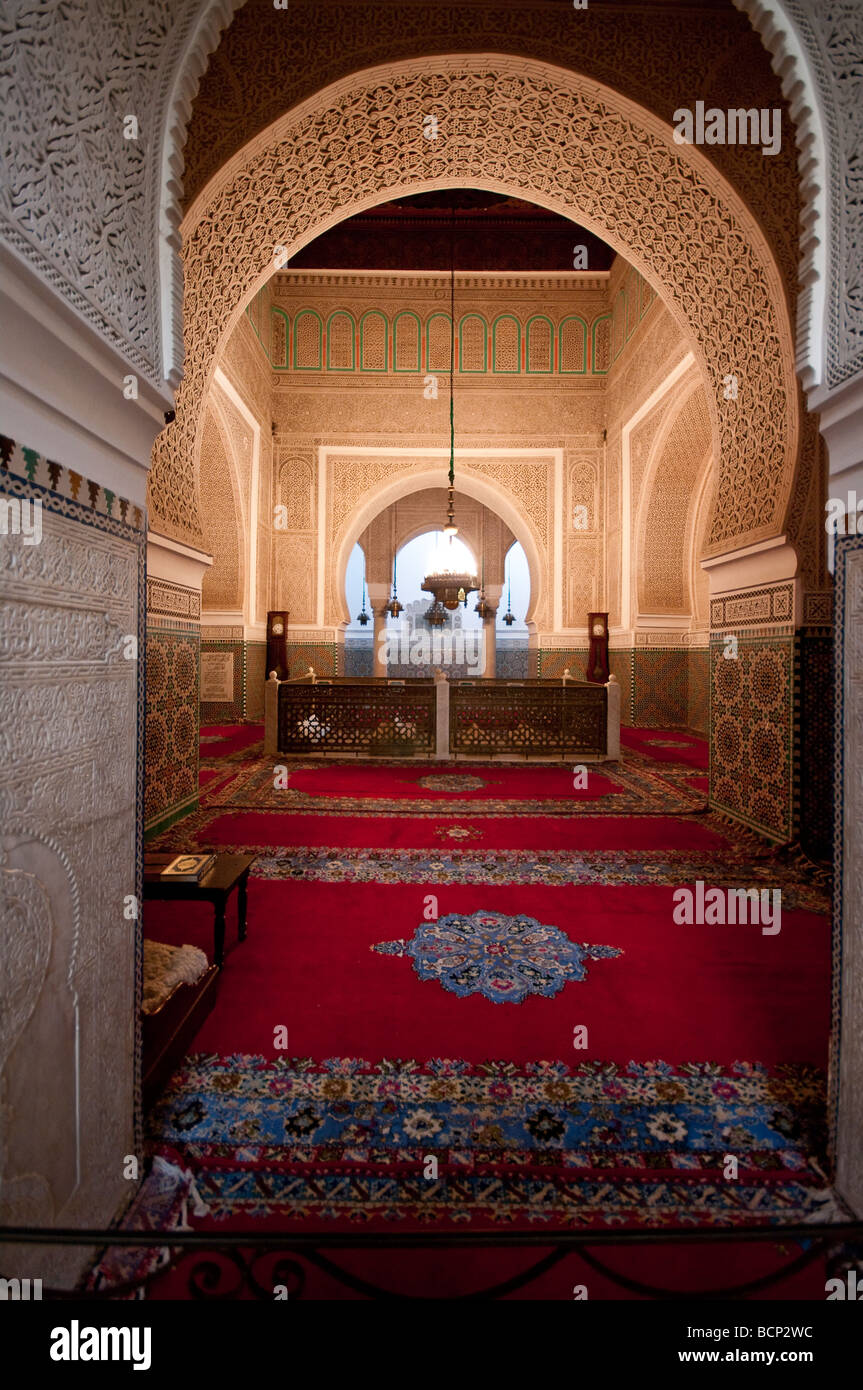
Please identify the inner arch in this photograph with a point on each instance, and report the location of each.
(528, 129)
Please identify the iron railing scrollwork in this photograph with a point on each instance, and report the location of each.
(211, 1267)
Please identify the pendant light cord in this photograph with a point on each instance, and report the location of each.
(451, 347)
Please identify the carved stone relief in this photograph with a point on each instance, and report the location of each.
(697, 228)
(667, 516)
(223, 521)
(69, 818)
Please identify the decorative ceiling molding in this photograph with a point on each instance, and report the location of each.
(527, 282)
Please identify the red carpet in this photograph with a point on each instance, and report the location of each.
(443, 782)
(633, 786)
(220, 741)
(308, 961)
(669, 746)
(260, 829)
(405, 1038)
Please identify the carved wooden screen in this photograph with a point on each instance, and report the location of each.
(357, 717)
(528, 718)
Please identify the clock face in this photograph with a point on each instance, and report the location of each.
(598, 630)
(278, 629)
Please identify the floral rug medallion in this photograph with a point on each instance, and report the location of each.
(503, 958)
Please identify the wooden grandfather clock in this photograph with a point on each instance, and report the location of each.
(597, 656)
(277, 644)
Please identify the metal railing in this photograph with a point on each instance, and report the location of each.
(237, 1263)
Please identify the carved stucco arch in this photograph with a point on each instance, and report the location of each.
(215, 408)
(791, 61)
(472, 541)
(471, 538)
(684, 391)
(427, 528)
(200, 42)
(490, 495)
(523, 129)
(791, 48)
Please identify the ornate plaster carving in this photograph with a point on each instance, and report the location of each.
(665, 519)
(222, 500)
(522, 128)
(816, 51)
(96, 214)
(203, 28)
(69, 815)
(650, 53)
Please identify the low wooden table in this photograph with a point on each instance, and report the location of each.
(230, 871)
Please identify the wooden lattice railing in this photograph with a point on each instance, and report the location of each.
(529, 717)
(376, 717)
(371, 717)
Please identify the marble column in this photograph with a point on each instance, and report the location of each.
(489, 631)
(378, 597)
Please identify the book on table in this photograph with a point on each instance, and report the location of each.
(189, 867)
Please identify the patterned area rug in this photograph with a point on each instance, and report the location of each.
(555, 915)
(222, 744)
(631, 787)
(553, 868)
(501, 957)
(590, 1145)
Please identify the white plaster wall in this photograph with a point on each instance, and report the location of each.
(70, 818)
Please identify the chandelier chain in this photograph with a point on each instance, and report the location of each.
(451, 347)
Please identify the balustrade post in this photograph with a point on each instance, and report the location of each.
(378, 597)
(441, 692)
(489, 632)
(271, 715)
(612, 735)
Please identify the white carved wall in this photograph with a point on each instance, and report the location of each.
(69, 792)
(816, 46)
(91, 212)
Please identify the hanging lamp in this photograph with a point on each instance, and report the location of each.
(448, 588)
(394, 608)
(509, 616)
(362, 616)
(483, 607)
(436, 615)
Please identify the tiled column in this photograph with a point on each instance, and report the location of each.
(173, 657)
